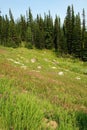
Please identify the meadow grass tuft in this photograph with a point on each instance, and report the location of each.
(20, 112)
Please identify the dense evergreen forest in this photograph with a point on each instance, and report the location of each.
(46, 33)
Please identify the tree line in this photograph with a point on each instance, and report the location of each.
(46, 33)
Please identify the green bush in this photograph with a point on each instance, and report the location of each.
(81, 120)
(28, 45)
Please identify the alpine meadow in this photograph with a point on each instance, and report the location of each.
(43, 72)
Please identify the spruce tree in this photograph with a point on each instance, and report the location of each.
(2, 30)
(13, 37)
(31, 25)
(68, 25)
(6, 32)
(23, 27)
(48, 31)
(65, 47)
(73, 33)
(0, 27)
(83, 27)
(56, 34)
(28, 35)
(77, 37)
(63, 43)
(84, 48)
(85, 41)
(39, 33)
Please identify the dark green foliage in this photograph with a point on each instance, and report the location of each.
(13, 36)
(30, 26)
(28, 34)
(59, 38)
(84, 39)
(0, 25)
(84, 51)
(56, 33)
(23, 27)
(77, 37)
(73, 30)
(48, 30)
(28, 45)
(39, 33)
(82, 120)
(83, 27)
(68, 26)
(84, 54)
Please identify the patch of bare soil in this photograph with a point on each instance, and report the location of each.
(1, 75)
(50, 124)
(2, 51)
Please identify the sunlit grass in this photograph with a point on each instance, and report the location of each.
(62, 98)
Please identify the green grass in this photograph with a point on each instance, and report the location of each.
(21, 112)
(31, 92)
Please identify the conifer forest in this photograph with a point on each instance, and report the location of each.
(69, 37)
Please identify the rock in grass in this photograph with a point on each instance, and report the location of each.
(53, 67)
(1, 95)
(60, 73)
(39, 67)
(24, 67)
(46, 59)
(33, 60)
(50, 124)
(78, 78)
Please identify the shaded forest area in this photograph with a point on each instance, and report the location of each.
(44, 33)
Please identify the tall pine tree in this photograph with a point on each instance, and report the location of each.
(68, 26)
(77, 37)
(84, 44)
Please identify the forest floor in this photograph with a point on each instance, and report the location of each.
(56, 88)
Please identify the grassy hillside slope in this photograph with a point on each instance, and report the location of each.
(40, 91)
